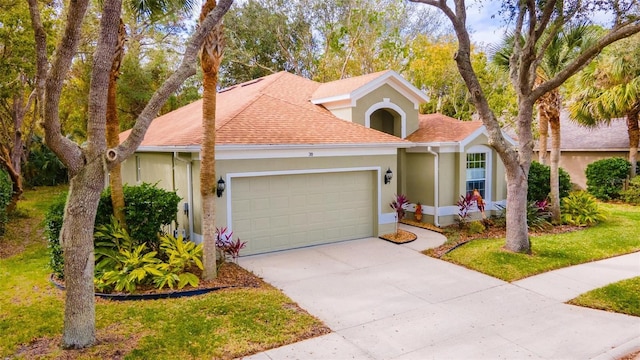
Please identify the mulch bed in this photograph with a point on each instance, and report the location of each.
(457, 237)
(229, 275)
(421, 225)
(401, 237)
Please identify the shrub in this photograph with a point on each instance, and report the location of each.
(581, 209)
(475, 227)
(52, 226)
(539, 179)
(147, 209)
(538, 215)
(43, 168)
(606, 177)
(632, 194)
(6, 191)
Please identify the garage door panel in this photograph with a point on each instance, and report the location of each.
(288, 211)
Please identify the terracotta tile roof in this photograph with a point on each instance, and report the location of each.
(574, 136)
(442, 128)
(274, 110)
(345, 86)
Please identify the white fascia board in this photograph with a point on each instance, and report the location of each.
(440, 147)
(332, 102)
(235, 152)
(589, 150)
(397, 83)
(169, 149)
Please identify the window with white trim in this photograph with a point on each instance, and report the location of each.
(477, 172)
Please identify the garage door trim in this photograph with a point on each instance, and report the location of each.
(230, 176)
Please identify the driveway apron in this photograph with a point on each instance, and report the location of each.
(388, 301)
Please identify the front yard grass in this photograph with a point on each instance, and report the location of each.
(621, 297)
(221, 324)
(618, 235)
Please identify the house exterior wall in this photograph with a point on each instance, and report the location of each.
(575, 163)
(386, 92)
(172, 174)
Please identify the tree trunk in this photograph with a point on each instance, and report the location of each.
(554, 179)
(517, 229)
(543, 128)
(634, 137)
(113, 129)
(210, 57)
(76, 238)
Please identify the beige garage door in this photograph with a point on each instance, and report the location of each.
(289, 211)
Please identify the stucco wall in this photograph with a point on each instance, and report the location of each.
(160, 167)
(377, 96)
(575, 163)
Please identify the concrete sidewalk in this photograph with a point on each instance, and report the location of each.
(387, 301)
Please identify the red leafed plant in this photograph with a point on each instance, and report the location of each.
(398, 204)
(227, 246)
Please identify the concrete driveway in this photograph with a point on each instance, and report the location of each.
(387, 301)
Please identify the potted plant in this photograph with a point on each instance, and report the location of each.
(418, 212)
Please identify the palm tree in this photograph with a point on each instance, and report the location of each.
(610, 88)
(210, 58)
(561, 50)
(141, 9)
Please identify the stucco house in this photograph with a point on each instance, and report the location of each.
(306, 163)
(580, 145)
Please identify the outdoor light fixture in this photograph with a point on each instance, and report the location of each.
(388, 176)
(220, 188)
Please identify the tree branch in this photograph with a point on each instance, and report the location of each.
(186, 69)
(68, 152)
(585, 58)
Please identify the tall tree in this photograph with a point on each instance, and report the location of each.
(536, 23)
(210, 57)
(563, 47)
(89, 163)
(18, 110)
(610, 88)
(432, 69)
(150, 9)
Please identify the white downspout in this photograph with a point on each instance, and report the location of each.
(189, 193)
(436, 186)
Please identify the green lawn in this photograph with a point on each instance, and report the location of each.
(622, 297)
(223, 324)
(619, 234)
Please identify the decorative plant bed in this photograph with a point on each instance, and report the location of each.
(230, 276)
(421, 225)
(401, 237)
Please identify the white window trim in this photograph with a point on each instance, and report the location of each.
(387, 104)
(482, 149)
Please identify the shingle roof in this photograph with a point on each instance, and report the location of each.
(573, 136)
(345, 86)
(441, 128)
(273, 110)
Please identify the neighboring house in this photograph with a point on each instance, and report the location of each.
(306, 163)
(580, 146)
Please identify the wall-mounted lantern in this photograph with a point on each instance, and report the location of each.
(388, 176)
(220, 187)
